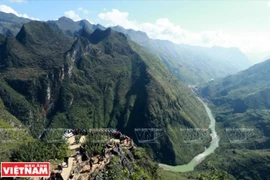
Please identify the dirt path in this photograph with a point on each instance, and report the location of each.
(66, 171)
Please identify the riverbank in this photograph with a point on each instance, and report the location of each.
(200, 157)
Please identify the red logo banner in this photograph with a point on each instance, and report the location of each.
(25, 169)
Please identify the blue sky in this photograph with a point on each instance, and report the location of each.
(241, 23)
(194, 15)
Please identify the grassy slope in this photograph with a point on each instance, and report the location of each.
(241, 163)
(12, 133)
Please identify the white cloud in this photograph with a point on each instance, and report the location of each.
(164, 29)
(72, 15)
(8, 9)
(83, 10)
(115, 17)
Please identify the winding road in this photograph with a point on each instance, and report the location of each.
(200, 157)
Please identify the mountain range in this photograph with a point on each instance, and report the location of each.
(10, 23)
(191, 64)
(97, 79)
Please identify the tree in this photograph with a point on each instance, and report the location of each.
(214, 175)
(38, 151)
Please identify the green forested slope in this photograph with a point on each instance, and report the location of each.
(99, 79)
(240, 103)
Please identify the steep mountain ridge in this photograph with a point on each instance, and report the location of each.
(101, 80)
(191, 64)
(71, 28)
(35, 40)
(10, 24)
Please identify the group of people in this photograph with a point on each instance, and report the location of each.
(110, 132)
(84, 153)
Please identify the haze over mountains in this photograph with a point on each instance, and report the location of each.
(192, 64)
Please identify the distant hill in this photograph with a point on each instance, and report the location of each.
(11, 24)
(243, 99)
(249, 89)
(247, 92)
(71, 28)
(192, 64)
